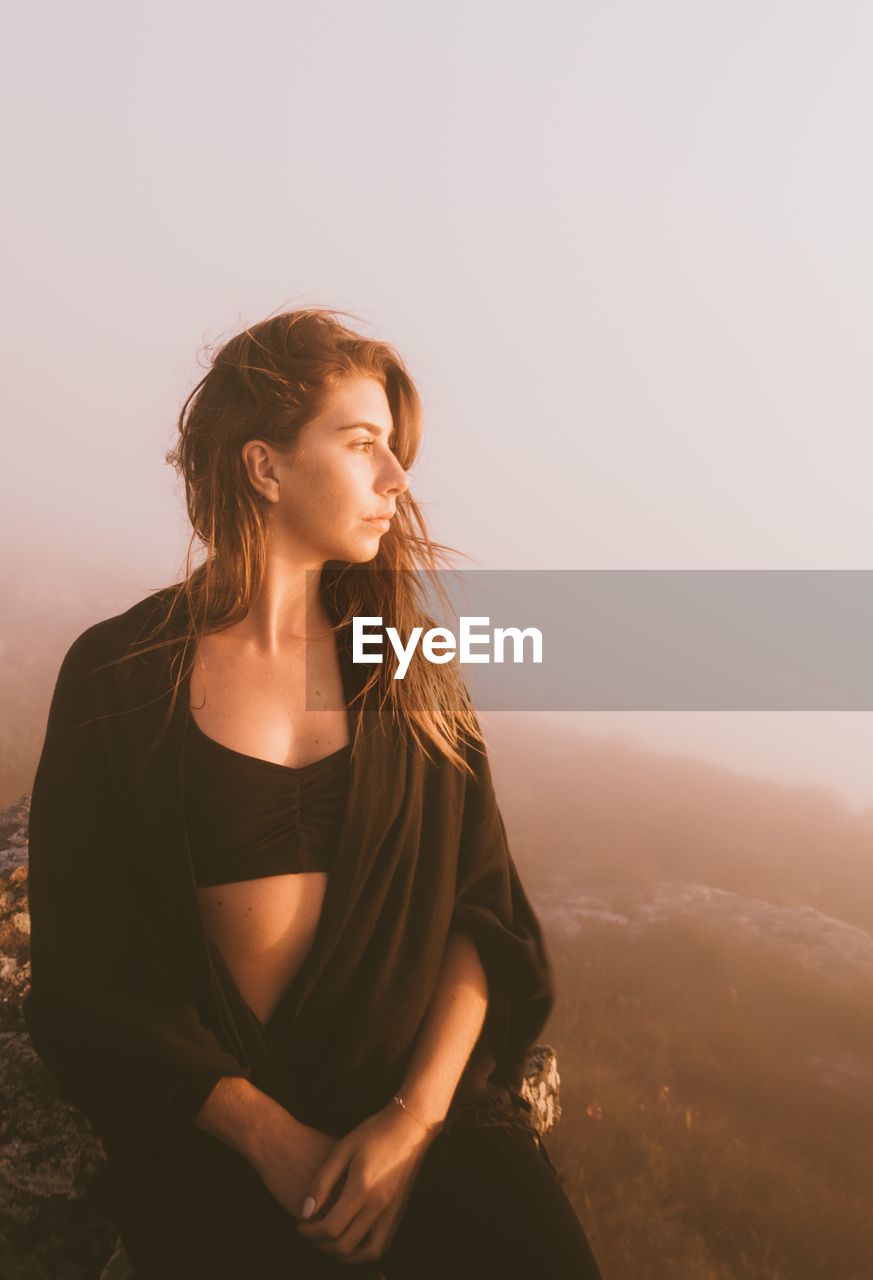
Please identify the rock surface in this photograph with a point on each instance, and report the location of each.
(55, 1206)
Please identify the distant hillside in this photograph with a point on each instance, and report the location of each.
(716, 1090)
(585, 810)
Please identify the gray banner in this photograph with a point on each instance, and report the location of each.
(687, 640)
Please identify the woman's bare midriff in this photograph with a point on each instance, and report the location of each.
(264, 928)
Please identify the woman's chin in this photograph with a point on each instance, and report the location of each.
(362, 550)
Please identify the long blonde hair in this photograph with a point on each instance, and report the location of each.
(266, 383)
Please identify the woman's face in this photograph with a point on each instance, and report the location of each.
(341, 473)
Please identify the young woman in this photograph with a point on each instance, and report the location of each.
(281, 956)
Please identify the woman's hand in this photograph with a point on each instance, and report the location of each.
(373, 1169)
(290, 1160)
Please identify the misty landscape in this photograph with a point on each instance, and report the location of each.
(712, 936)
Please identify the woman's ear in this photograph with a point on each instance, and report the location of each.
(260, 463)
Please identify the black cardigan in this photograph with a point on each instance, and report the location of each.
(126, 1006)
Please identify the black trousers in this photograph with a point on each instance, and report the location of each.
(486, 1202)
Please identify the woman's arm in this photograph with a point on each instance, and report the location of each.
(287, 1153)
(493, 910)
(284, 1151)
(237, 1112)
(449, 1031)
(110, 1010)
(387, 1148)
(242, 1115)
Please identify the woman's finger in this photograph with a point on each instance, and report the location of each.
(329, 1182)
(370, 1246)
(354, 1237)
(382, 1230)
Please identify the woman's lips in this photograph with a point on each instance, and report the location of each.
(383, 524)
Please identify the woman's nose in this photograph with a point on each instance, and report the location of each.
(399, 481)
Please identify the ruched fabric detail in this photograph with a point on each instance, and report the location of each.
(249, 817)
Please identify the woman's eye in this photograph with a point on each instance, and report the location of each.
(368, 444)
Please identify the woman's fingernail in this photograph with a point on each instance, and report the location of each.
(308, 1206)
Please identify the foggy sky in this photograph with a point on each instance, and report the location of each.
(623, 247)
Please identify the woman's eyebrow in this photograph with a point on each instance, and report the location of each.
(370, 426)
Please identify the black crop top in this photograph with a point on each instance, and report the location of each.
(249, 817)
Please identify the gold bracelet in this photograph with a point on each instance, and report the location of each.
(431, 1128)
